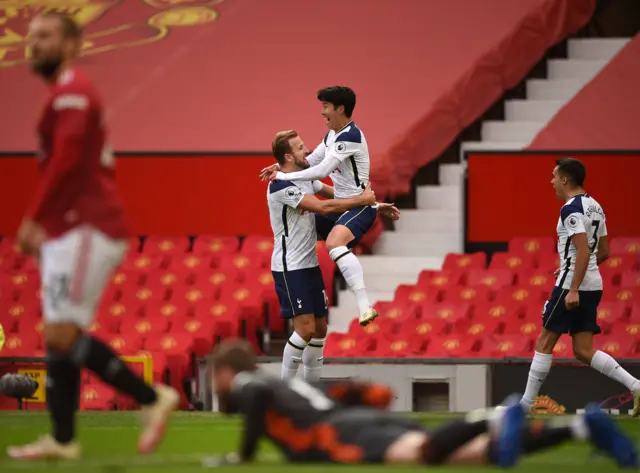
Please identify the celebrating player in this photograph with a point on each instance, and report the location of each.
(309, 424)
(343, 154)
(294, 262)
(573, 305)
(75, 228)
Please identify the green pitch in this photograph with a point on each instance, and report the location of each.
(109, 441)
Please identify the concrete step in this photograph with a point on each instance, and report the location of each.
(419, 244)
(439, 197)
(398, 265)
(574, 68)
(532, 110)
(510, 131)
(421, 221)
(595, 48)
(451, 174)
(384, 282)
(559, 89)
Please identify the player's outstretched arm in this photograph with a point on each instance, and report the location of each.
(313, 173)
(312, 204)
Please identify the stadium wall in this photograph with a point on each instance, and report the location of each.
(462, 385)
(508, 194)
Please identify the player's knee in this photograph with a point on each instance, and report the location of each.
(61, 337)
(305, 327)
(546, 341)
(583, 354)
(339, 236)
(321, 328)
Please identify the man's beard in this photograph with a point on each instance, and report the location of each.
(48, 68)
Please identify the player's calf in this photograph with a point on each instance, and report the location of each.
(312, 356)
(303, 331)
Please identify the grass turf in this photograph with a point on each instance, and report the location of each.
(109, 443)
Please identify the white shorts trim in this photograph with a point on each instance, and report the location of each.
(75, 269)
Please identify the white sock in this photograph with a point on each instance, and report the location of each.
(292, 355)
(608, 366)
(353, 274)
(540, 367)
(312, 359)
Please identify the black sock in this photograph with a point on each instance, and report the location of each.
(538, 436)
(63, 393)
(449, 438)
(99, 358)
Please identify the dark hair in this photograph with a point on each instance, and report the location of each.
(337, 96)
(281, 144)
(70, 28)
(573, 169)
(235, 354)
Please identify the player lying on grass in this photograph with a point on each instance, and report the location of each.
(314, 423)
(294, 263)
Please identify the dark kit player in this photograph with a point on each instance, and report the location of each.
(344, 423)
(75, 229)
(573, 306)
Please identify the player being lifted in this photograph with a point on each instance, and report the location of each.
(343, 155)
(343, 423)
(573, 305)
(296, 271)
(75, 228)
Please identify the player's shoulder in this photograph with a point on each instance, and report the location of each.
(350, 134)
(277, 186)
(73, 89)
(572, 206)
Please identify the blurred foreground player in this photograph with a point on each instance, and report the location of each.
(294, 263)
(75, 228)
(311, 422)
(573, 306)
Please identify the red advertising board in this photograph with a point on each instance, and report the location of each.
(164, 194)
(509, 194)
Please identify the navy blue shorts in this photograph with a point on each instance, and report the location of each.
(584, 318)
(358, 220)
(301, 291)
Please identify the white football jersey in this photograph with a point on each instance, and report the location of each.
(581, 214)
(294, 230)
(350, 147)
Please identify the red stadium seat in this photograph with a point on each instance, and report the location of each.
(14, 312)
(241, 262)
(96, 396)
(492, 278)
(248, 298)
(191, 296)
(535, 245)
(622, 245)
(630, 279)
(620, 263)
(31, 328)
(480, 328)
(148, 326)
(528, 328)
(513, 262)
(397, 312)
(629, 296)
(498, 310)
(127, 278)
(410, 294)
(201, 331)
(634, 314)
(170, 310)
(425, 329)
(21, 345)
(191, 264)
(263, 282)
(563, 349)
(500, 346)
(8, 246)
(344, 345)
(112, 313)
(125, 344)
(617, 346)
(215, 246)
(374, 328)
(452, 313)
(467, 295)
(610, 314)
(439, 279)
(143, 295)
(464, 261)
(626, 329)
(450, 346)
(226, 317)
(144, 263)
(398, 347)
(548, 262)
(522, 295)
(536, 278)
(159, 245)
(218, 278)
(162, 280)
(257, 244)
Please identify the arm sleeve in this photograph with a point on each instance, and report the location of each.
(72, 117)
(286, 193)
(317, 186)
(573, 220)
(317, 156)
(342, 150)
(253, 398)
(320, 171)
